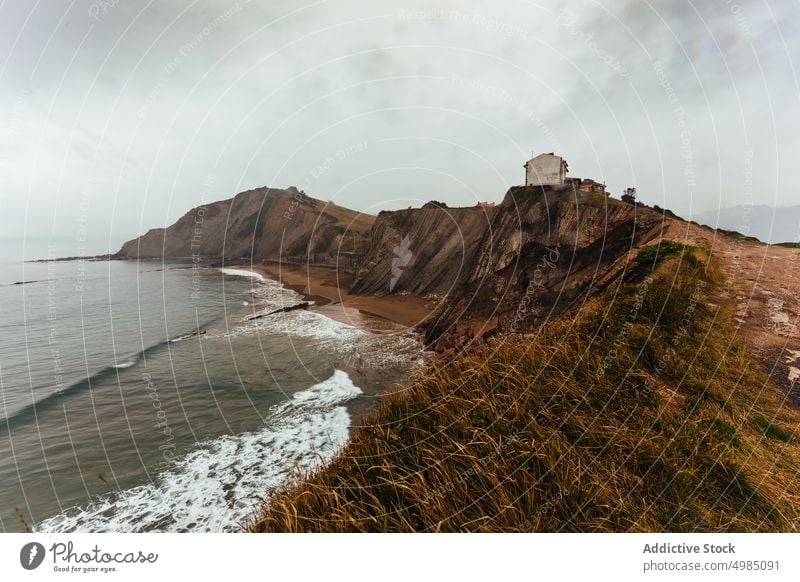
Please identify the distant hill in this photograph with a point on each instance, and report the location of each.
(265, 223)
(767, 223)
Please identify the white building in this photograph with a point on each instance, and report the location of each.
(545, 170)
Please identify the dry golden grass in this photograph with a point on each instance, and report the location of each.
(642, 413)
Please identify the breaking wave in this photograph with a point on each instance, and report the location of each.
(218, 485)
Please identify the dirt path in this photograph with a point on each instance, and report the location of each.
(763, 283)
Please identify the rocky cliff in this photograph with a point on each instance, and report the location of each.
(428, 250)
(501, 268)
(506, 267)
(260, 224)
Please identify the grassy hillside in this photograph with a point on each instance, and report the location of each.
(640, 413)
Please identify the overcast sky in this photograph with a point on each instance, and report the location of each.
(117, 116)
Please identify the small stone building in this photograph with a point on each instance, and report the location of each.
(589, 185)
(546, 170)
(586, 185)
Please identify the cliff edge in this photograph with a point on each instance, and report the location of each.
(259, 224)
(505, 267)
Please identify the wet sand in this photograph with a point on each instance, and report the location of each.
(328, 289)
(391, 315)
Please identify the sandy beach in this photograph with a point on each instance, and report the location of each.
(328, 290)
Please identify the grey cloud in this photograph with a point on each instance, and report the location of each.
(163, 94)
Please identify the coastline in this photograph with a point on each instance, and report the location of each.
(379, 316)
(328, 290)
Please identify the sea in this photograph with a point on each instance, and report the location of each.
(140, 396)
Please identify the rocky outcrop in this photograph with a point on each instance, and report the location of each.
(260, 224)
(494, 269)
(299, 306)
(429, 250)
(503, 268)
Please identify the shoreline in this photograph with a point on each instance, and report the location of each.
(328, 290)
(380, 316)
(327, 398)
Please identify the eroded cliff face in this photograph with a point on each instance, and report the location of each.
(422, 251)
(503, 268)
(260, 224)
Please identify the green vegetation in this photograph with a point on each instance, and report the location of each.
(527, 194)
(738, 235)
(666, 212)
(596, 200)
(642, 412)
(789, 245)
(771, 430)
(403, 219)
(653, 254)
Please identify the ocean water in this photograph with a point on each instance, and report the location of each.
(141, 396)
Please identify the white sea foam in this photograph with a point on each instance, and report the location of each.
(360, 348)
(382, 352)
(269, 296)
(127, 364)
(218, 485)
(329, 334)
(243, 273)
(310, 324)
